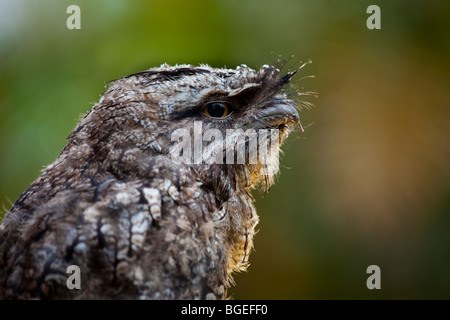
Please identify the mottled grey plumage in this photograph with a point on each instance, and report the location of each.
(138, 224)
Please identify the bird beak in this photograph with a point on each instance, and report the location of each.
(280, 115)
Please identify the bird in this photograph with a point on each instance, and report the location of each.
(139, 215)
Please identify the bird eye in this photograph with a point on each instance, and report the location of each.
(217, 109)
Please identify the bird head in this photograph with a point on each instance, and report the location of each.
(227, 125)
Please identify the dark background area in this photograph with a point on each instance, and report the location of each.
(368, 182)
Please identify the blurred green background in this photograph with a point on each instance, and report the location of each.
(367, 183)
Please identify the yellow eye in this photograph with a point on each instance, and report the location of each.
(217, 109)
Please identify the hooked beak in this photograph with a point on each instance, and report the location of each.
(281, 116)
